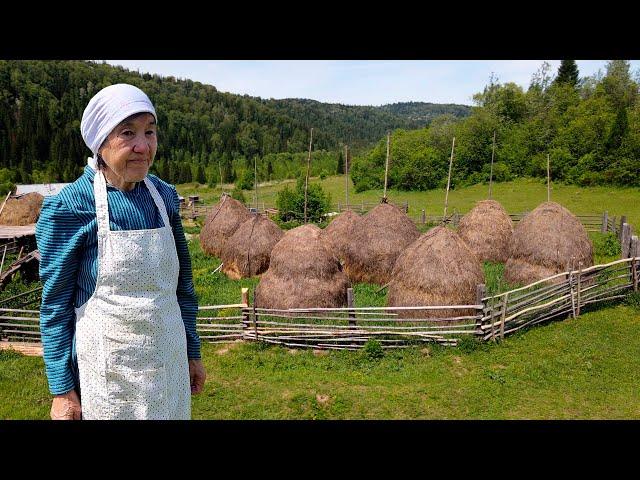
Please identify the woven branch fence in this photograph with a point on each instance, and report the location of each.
(491, 318)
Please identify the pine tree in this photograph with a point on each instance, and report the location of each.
(568, 72)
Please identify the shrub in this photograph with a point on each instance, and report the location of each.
(290, 202)
(238, 195)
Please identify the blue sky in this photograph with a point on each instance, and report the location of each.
(356, 82)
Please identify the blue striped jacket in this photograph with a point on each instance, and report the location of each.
(66, 235)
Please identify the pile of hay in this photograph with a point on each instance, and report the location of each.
(225, 218)
(437, 269)
(338, 233)
(303, 273)
(487, 231)
(246, 253)
(547, 241)
(22, 210)
(381, 235)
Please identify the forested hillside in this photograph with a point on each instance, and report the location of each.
(204, 134)
(589, 127)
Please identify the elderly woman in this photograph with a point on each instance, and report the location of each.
(118, 305)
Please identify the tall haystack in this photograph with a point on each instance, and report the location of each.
(22, 210)
(487, 231)
(246, 253)
(303, 273)
(547, 241)
(382, 234)
(437, 269)
(225, 218)
(338, 233)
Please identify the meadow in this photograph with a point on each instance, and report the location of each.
(583, 368)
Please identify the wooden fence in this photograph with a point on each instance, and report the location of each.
(491, 318)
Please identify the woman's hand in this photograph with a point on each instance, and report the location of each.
(197, 376)
(66, 407)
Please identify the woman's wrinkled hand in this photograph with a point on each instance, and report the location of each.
(66, 407)
(197, 376)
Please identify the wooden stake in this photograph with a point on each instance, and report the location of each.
(255, 180)
(480, 293)
(244, 292)
(3, 255)
(346, 175)
(306, 182)
(504, 314)
(548, 180)
(423, 217)
(446, 198)
(493, 151)
(625, 240)
(5, 201)
(221, 182)
(579, 287)
(386, 169)
(350, 304)
(605, 222)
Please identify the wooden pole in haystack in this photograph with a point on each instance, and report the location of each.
(346, 175)
(493, 152)
(255, 181)
(306, 182)
(446, 198)
(386, 169)
(220, 169)
(548, 180)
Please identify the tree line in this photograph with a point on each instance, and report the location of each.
(204, 134)
(589, 127)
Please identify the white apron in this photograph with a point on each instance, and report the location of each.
(130, 338)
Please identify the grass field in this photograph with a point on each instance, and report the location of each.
(584, 368)
(588, 368)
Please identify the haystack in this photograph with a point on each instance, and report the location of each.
(487, 231)
(338, 233)
(381, 235)
(303, 273)
(437, 269)
(547, 241)
(246, 253)
(22, 210)
(225, 218)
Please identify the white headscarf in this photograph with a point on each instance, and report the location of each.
(107, 109)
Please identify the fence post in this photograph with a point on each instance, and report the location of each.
(352, 315)
(633, 249)
(579, 285)
(255, 323)
(625, 239)
(623, 220)
(504, 314)
(480, 293)
(244, 292)
(605, 222)
(423, 217)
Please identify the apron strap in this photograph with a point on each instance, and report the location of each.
(158, 201)
(102, 206)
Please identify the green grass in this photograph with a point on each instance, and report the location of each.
(586, 368)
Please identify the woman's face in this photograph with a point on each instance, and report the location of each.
(130, 148)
